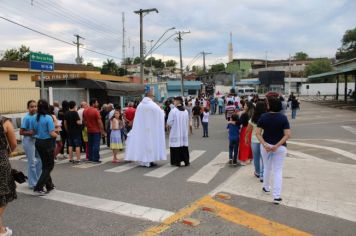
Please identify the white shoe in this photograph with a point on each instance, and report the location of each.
(7, 233)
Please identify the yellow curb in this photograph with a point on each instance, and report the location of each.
(229, 213)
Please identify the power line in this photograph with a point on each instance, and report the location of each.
(21, 12)
(83, 19)
(70, 19)
(55, 38)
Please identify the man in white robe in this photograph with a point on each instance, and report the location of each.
(178, 120)
(146, 141)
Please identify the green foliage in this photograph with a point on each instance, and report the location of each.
(136, 60)
(348, 48)
(198, 70)
(217, 68)
(127, 61)
(20, 54)
(318, 66)
(300, 56)
(110, 67)
(171, 63)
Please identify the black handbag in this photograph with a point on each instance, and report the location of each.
(19, 176)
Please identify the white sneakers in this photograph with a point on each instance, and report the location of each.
(7, 233)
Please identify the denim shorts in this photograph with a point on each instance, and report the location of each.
(74, 141)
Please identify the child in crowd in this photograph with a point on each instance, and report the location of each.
(205, 122)
(234, 132)
(115, 138)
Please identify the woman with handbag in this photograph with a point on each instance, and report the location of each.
(7, 183)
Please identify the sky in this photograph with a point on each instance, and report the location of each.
(260, 28)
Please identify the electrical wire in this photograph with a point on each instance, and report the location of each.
(38, 23)
(55, 38)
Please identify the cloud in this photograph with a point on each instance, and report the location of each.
(279, 27)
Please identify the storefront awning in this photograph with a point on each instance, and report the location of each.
(114, 88)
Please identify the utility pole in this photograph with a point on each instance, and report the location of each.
(141, 12)
(204, 53)
(290, 72)
(266, 60)
(180, 33)
(78, 60)
(123, 40)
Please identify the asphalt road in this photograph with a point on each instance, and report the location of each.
(130, 200)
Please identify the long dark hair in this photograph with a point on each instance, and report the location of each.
(261, 107)
(42, 109)
(65, 106)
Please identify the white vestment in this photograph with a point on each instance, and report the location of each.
(179, 123)
(146, 141)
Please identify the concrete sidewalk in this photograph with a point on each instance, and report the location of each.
(309, 183)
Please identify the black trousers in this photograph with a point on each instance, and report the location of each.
(179, 154)
(45, 149)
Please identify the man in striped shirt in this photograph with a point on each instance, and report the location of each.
(229, 110)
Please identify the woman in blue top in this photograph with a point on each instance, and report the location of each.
(276, 131)
(234, 132)
(44, 133)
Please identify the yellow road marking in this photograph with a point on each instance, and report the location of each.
(174, 218)
(229, 213)
(253, 222)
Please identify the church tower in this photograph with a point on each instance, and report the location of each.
(231, 51)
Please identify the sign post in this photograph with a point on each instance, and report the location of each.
(42, 62)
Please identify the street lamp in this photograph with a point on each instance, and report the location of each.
(141, 12)
(151, 50)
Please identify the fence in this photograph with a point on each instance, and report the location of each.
(14, 100)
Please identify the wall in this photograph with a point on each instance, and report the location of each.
(14, 100)
(23, 80)
(325, 88)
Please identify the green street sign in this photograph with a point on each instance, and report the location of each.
(39, 57)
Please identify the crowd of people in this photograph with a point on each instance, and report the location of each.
(257, 133)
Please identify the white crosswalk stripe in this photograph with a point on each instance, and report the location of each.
(167, 168)
(210, 170)
(103, 161)
(350, 129)
(122, 168)
(332, 149)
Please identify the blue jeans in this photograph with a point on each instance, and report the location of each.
(257, 159)
(94, 146)
(233, 149)
(294, 113)
(205, 129)
(34, 164)
(220, 110)
(212, 111)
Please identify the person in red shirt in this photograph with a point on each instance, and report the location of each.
(92, 120)
(129, 116)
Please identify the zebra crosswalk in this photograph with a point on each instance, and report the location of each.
(203, 175)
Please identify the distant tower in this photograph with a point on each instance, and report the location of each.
(231, 50)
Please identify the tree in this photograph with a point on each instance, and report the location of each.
(89, 64)
(171, 63)
(158, 64)
(318, 66)
(217, 68)
(127, 61)
(300, 56)
(110, 67)
(11, 55)
(20, 54)
(198, 70)
(136, 61)
(348, 47)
